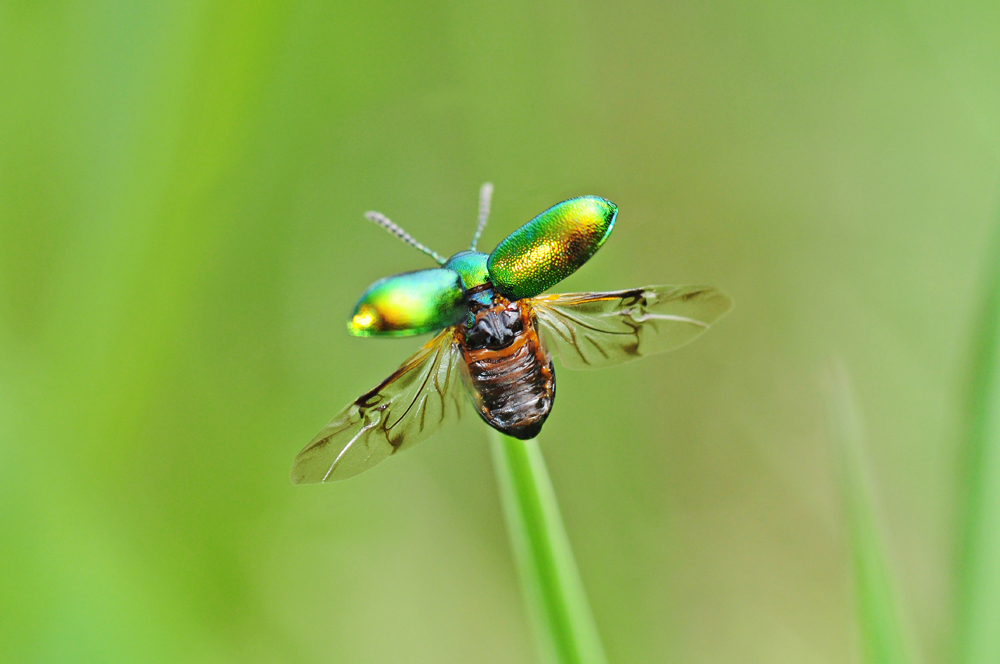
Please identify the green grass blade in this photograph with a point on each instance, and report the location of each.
(979, 562)
(878, 617)
(557, 604)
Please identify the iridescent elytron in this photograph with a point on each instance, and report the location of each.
(410, 303)
(496, 328)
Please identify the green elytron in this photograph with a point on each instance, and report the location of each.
(495, 331)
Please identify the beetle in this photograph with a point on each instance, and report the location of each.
(495, 328)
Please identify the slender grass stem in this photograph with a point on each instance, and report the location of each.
(979, 514)
(563, 625)
(878, 615)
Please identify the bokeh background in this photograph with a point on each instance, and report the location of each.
(181, 241)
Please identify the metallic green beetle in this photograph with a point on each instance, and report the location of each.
(495, 331)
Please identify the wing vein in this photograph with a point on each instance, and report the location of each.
(397, 414)
(591, 330)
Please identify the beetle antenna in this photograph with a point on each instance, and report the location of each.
(387, 224)
(485, 194)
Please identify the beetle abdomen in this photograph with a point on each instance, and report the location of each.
(512, 378)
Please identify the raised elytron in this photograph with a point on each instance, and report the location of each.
(495, 329)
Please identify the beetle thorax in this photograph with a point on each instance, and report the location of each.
(496, 326)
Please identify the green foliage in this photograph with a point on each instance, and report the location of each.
(878, 612)
(978, 608)
(563, 626)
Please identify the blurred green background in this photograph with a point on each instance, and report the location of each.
(181, 241)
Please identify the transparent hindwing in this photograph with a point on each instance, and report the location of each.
(594, 330)
(420, 397)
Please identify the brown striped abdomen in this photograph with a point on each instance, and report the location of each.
(512, 378)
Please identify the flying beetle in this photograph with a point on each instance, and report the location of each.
(494, 332)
